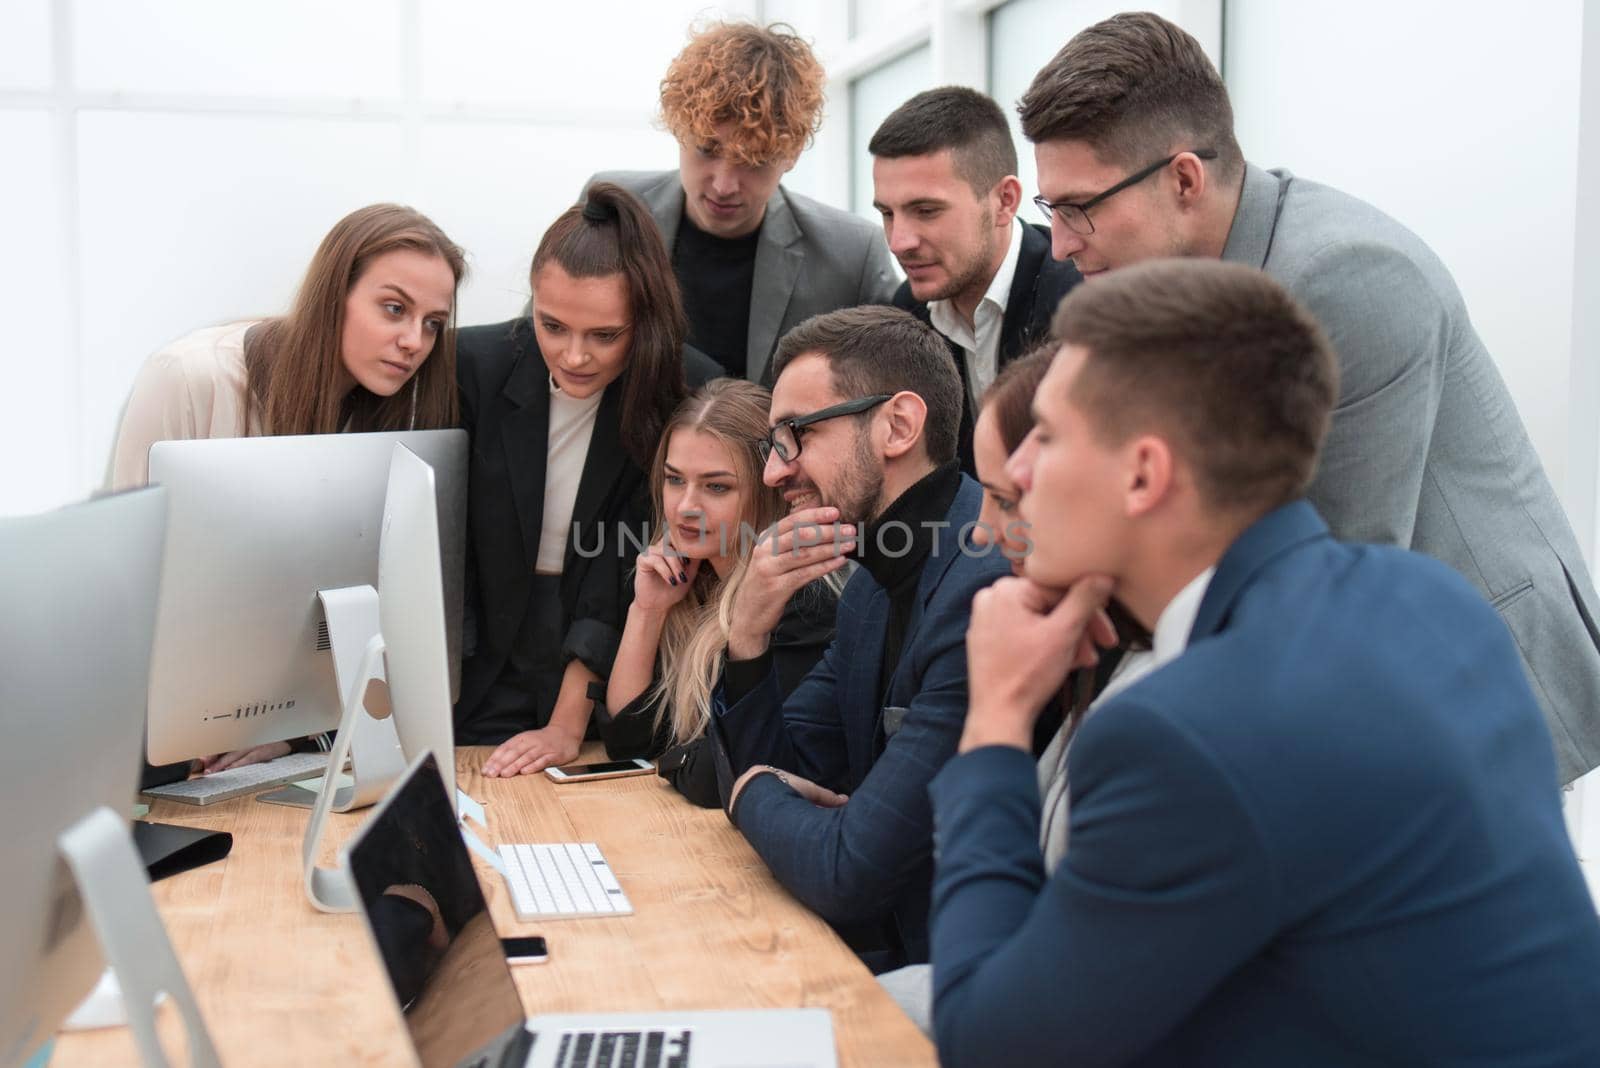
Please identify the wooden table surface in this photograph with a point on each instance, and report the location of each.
(281, 983)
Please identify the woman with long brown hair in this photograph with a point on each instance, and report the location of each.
(710, 506)
(565, 407)
(367, 345)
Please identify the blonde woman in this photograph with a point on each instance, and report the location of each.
(710, 504)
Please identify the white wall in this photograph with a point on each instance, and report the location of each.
(173, 163)
(1459, 119)
(1463, 121)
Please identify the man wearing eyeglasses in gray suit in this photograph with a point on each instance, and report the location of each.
(1133, 135)
(752, 258)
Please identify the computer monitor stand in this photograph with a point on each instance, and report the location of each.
(375, 754)
(365, 729)
(111, 881)
(366, 719)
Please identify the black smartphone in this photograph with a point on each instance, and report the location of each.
(528, 950)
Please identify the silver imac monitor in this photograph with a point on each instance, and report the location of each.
(402, 677)
(78, 594)
(248, 643)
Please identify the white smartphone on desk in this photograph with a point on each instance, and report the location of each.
(611, 769)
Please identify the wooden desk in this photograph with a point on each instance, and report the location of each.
(280, 983)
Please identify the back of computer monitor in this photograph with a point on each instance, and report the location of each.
(411, 614)
(257, 527)
(77, 611)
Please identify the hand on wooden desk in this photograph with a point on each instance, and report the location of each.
(531, 752)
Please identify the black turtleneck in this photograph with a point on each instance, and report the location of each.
(715, 275)
(893, 549)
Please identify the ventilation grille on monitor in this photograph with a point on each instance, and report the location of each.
(253, 709)
(324, 644)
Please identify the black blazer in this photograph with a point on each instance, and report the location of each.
(1037, 287)
(505, 408)
(802, 635)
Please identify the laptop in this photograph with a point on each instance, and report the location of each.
(424, 911)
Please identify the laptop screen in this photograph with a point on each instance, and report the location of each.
(427, 914)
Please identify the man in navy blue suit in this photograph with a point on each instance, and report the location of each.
(866, 407)
(1324, 830)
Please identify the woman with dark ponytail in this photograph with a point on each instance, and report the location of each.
(564, 407)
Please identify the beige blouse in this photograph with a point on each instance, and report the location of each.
(571, 428)
(193, 388)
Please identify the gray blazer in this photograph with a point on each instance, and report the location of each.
(1426, 450)
(811, 259)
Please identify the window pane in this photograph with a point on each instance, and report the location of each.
(25, 45)
(823, 23)
(498, 213)
(557, 55)
(873, 16)
(37, 403)
(872, 97)
(222, 229)
(286, 48)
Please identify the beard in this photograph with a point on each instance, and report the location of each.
(973, 269)
(858, 491)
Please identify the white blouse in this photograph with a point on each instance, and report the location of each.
(571, 428)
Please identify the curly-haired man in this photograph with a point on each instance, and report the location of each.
(752, 257)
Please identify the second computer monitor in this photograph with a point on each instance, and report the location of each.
(256, 528)
(77, 610)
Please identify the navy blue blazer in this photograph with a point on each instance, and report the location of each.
(1327, 834)
(870, 860)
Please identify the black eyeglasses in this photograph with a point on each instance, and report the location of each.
(1076, 216)
(784, 437)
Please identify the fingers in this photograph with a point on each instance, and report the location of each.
(1084, 600)
(807, 527)
(792, 551)
(1103, 630)
(530, 760)
(224, 761)
(819, 795)
(811, 572)
(806, 517)
(509, 752)
(666, 571)
(525, 754)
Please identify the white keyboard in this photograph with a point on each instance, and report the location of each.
(555, 880)
(222, 785)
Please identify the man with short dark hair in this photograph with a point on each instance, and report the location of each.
(1133, 133)
(944, 179)
(1324, 829)
(751, 257)
(865, 410)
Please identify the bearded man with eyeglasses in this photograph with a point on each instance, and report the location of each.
(832, 781)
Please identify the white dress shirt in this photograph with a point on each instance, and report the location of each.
(980, 342)
(1168, 642)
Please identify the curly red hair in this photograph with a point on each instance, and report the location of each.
(762, 79)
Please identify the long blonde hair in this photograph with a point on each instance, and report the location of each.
(695, 635)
